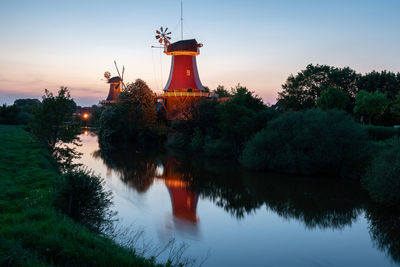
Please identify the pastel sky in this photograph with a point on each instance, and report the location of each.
(46, 44)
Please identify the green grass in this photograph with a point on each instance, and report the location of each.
(32, 232)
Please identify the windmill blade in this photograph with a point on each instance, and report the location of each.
(168, 33)
(158, 36)
(169, 38)
(161, 29)
(115, 63)
(157, 31)
(123, 70)
(160, 41)
(166, 29)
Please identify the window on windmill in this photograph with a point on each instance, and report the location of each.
(187, 72)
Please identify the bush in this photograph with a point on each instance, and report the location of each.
(132, 120)
(218, 148)
(310, 142)
(333, 98)
(379, 133)
(382, 179)
(81, 195)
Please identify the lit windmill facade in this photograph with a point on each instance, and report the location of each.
(115, 89)
(183, 87)
(184, 76)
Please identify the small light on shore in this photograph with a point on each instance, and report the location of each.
(85, 115)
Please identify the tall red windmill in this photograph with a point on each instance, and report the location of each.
(183, 87)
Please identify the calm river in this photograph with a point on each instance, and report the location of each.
(233, 217)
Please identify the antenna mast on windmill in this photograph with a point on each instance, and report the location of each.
(181, 20)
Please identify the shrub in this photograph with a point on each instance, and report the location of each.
(371, 104)
(218, 148)
(310, 142)
(81, 195)
(382, 179)
(132, 120)
(333, 98)
(379, 133)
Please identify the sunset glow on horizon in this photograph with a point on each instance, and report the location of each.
(48, 44)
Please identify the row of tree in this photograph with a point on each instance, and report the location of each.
(375, 95)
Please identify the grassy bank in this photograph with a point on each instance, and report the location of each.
(33, 233)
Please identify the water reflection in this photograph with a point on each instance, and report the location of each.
(318, 204)
(384, 227)
(183, 198)
(322, 203)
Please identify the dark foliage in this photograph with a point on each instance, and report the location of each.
(21, 112)
(371, 105)
(302, 91)
(54, 126)
(380, 133)
(81, 195)
(220, 129)
(132, 120)
(382, 179)
(8, 114)
(385, 82)
(310, 142)
(384, 228)
(222, 92)
(333, 98)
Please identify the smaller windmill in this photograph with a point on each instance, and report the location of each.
(162, 36)
(115, 84)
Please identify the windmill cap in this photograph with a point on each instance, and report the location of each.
(115, 79)
(190, 46)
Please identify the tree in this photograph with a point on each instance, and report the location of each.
(303, 90)
(237, 118)
(385, 82)
(333, 98)
(221, 91)
(371, 104)
(382, 179)
(8, 114)
(81, 195)
(53, 124)
(310, 142)
(132, 120)
(395, 108)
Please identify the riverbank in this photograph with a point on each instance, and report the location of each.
(32, 232)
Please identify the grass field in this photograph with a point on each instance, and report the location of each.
(32, 232)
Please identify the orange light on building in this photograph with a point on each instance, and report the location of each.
(85, 115)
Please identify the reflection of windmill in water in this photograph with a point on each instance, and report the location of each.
(184, 200)
(116, 83)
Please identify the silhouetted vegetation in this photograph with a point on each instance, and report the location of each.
(220, 129)
(384, 228)
(310, 142)
(333, 98)
(371, 104)
(303, 90)
(382, 179)
(54, 126)
(21, 112)
(379, 133)
(221, 91)
(132, 120)
(81, 195)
